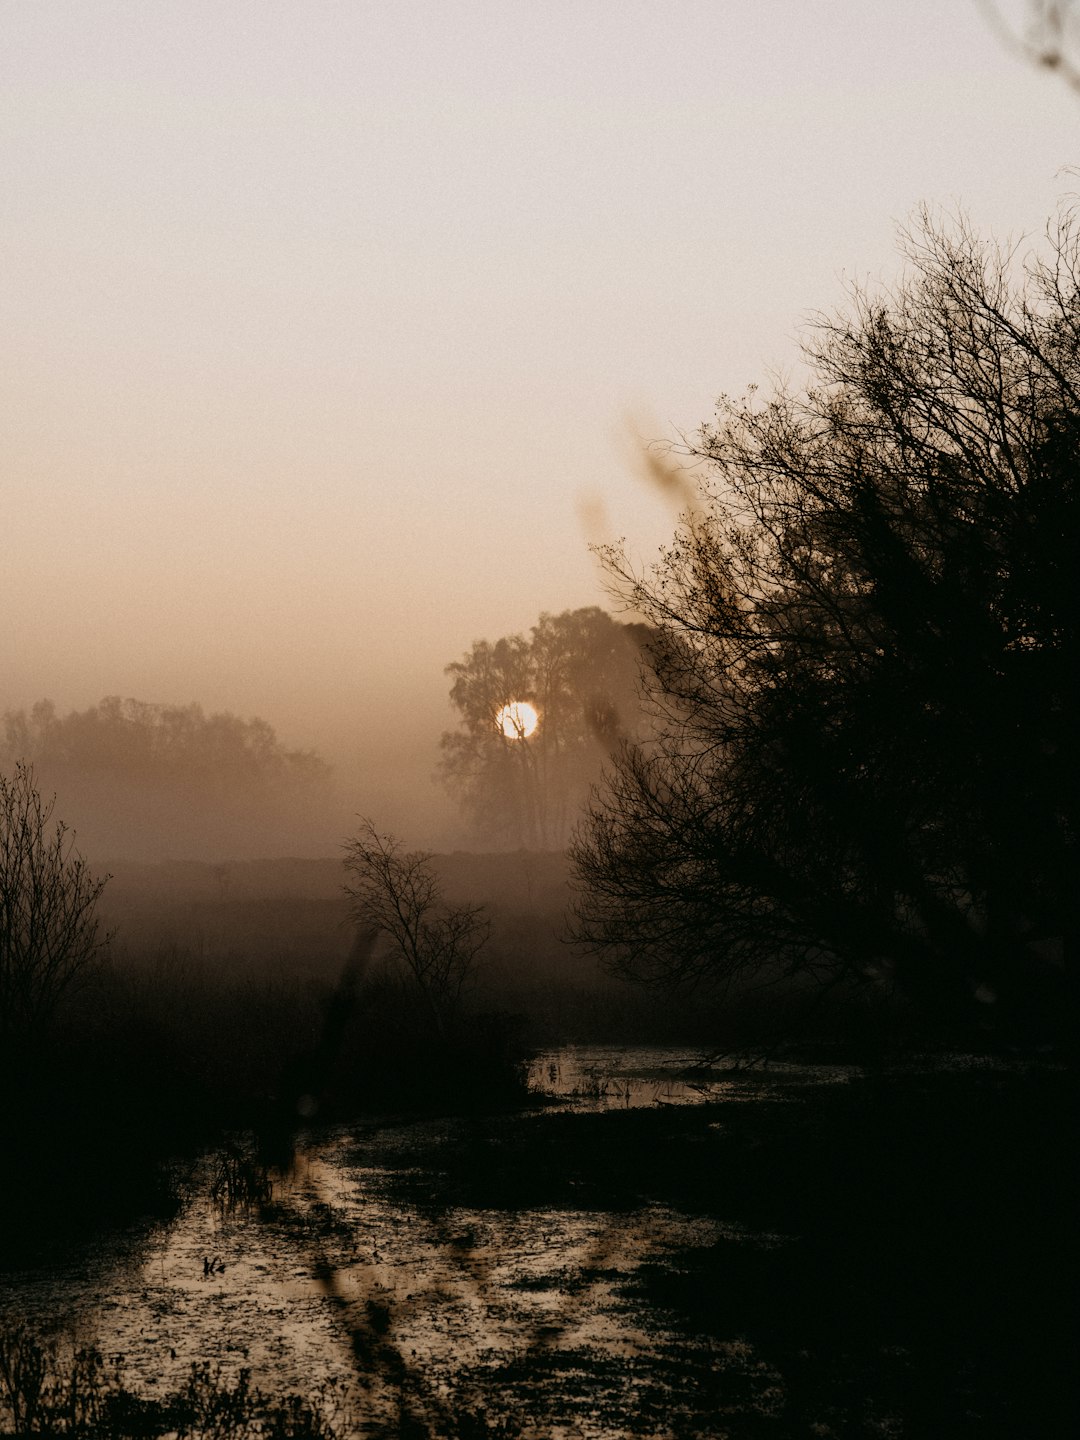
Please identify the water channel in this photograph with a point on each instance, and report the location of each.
(357, 1273)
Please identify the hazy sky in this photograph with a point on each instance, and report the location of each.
(324, 323)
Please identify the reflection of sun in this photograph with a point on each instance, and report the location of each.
(517, 719)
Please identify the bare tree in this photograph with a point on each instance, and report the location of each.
(397, 894)
(49, 935)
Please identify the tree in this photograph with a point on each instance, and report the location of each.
(49, 934)
(865, 661)
(142, 743)
(143, 777)
(397, 894)
(579, 670)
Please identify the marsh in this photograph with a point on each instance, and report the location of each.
(631, 1252)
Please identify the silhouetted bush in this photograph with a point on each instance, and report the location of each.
(50, 1389)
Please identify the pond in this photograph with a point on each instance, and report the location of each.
(417, 1270)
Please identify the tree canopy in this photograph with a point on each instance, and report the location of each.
(143, 777)
(158, 742)
(865, 660)
(579, 670)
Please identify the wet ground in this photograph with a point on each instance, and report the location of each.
(629, 1259)
(607, 1077)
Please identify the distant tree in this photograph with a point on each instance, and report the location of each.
(397, 894)
(128, 768)
(158, 742)
(579, 670)
(49, 934)
(865, 664)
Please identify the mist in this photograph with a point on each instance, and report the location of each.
(322, 342)
(535, 876)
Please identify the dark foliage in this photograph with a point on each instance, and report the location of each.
(865, 665)
(49, 1390)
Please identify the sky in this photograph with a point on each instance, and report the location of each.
(328, 326)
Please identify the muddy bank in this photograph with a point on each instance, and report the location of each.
(853, 1258)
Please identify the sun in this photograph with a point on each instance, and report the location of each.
(517, 719)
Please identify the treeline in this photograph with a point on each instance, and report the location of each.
(159, 743)
(169, 780)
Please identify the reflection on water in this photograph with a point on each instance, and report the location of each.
(411, 1306)
(629, 1077)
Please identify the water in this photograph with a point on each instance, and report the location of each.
(630, 1077)
(360, 1273)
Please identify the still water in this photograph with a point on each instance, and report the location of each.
(611, 1077)
(351, 1272)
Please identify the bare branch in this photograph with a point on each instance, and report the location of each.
(397, 894)
(49, 934)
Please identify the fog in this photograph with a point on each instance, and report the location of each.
(323, 323)
(382, 1056)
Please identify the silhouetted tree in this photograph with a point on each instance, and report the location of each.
(48, 929)
(396, 893)
(865, 660)
(579, 670)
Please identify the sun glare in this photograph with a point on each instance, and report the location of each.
(517, 719)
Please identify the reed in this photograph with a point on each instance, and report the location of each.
(50, 1388)
(238, 1181)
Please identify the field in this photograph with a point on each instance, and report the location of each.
(212, 1208)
